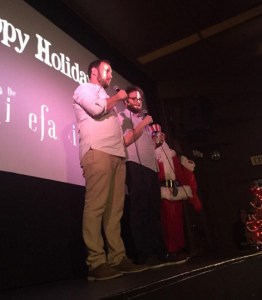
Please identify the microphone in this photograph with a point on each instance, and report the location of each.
(143, 113)
(116, 88)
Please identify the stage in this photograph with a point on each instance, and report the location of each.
(206, 277)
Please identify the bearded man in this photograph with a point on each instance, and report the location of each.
(102, 158)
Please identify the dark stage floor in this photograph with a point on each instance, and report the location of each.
(234, 277)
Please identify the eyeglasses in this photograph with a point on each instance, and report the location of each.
(136, 99)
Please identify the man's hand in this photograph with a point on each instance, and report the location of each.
(148, 120)
(159, 138)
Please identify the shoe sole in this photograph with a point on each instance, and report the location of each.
(91, 278)
(134, 271)
(167, 264)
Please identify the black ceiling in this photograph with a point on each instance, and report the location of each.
(180, 39)
(168, 40)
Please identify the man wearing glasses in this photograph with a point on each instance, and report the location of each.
(143, 201)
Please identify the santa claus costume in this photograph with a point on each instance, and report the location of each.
(178, 184)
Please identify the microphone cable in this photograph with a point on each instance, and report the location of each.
(135, 140)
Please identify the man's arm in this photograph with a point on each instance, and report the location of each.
(112, 101)
(132, 135)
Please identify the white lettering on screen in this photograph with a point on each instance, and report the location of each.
(12, 36)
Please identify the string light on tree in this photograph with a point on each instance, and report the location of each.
(254, 218)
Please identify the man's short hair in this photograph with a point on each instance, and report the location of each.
(134, 88)
(95, 64)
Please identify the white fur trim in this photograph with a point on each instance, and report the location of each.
(188, 164)
(165, 155)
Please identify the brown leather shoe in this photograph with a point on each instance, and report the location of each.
(103, 272)
(126, 266)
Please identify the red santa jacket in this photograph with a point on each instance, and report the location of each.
(183, 177)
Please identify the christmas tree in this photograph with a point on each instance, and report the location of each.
(254, 217)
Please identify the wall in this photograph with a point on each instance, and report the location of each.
(40, 227)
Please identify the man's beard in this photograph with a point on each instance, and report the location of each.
(103, 82)
(134, 109)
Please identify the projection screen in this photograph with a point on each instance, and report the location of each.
(40, 67)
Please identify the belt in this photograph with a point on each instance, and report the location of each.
(168, 183)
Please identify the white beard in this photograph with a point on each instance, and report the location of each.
(165, 155)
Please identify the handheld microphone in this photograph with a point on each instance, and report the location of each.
(116, 88)
(144, 113)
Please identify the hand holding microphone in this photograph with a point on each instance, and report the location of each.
(148, 120)
(145, 116)
(122, 95)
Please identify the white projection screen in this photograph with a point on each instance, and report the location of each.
(40, 67)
